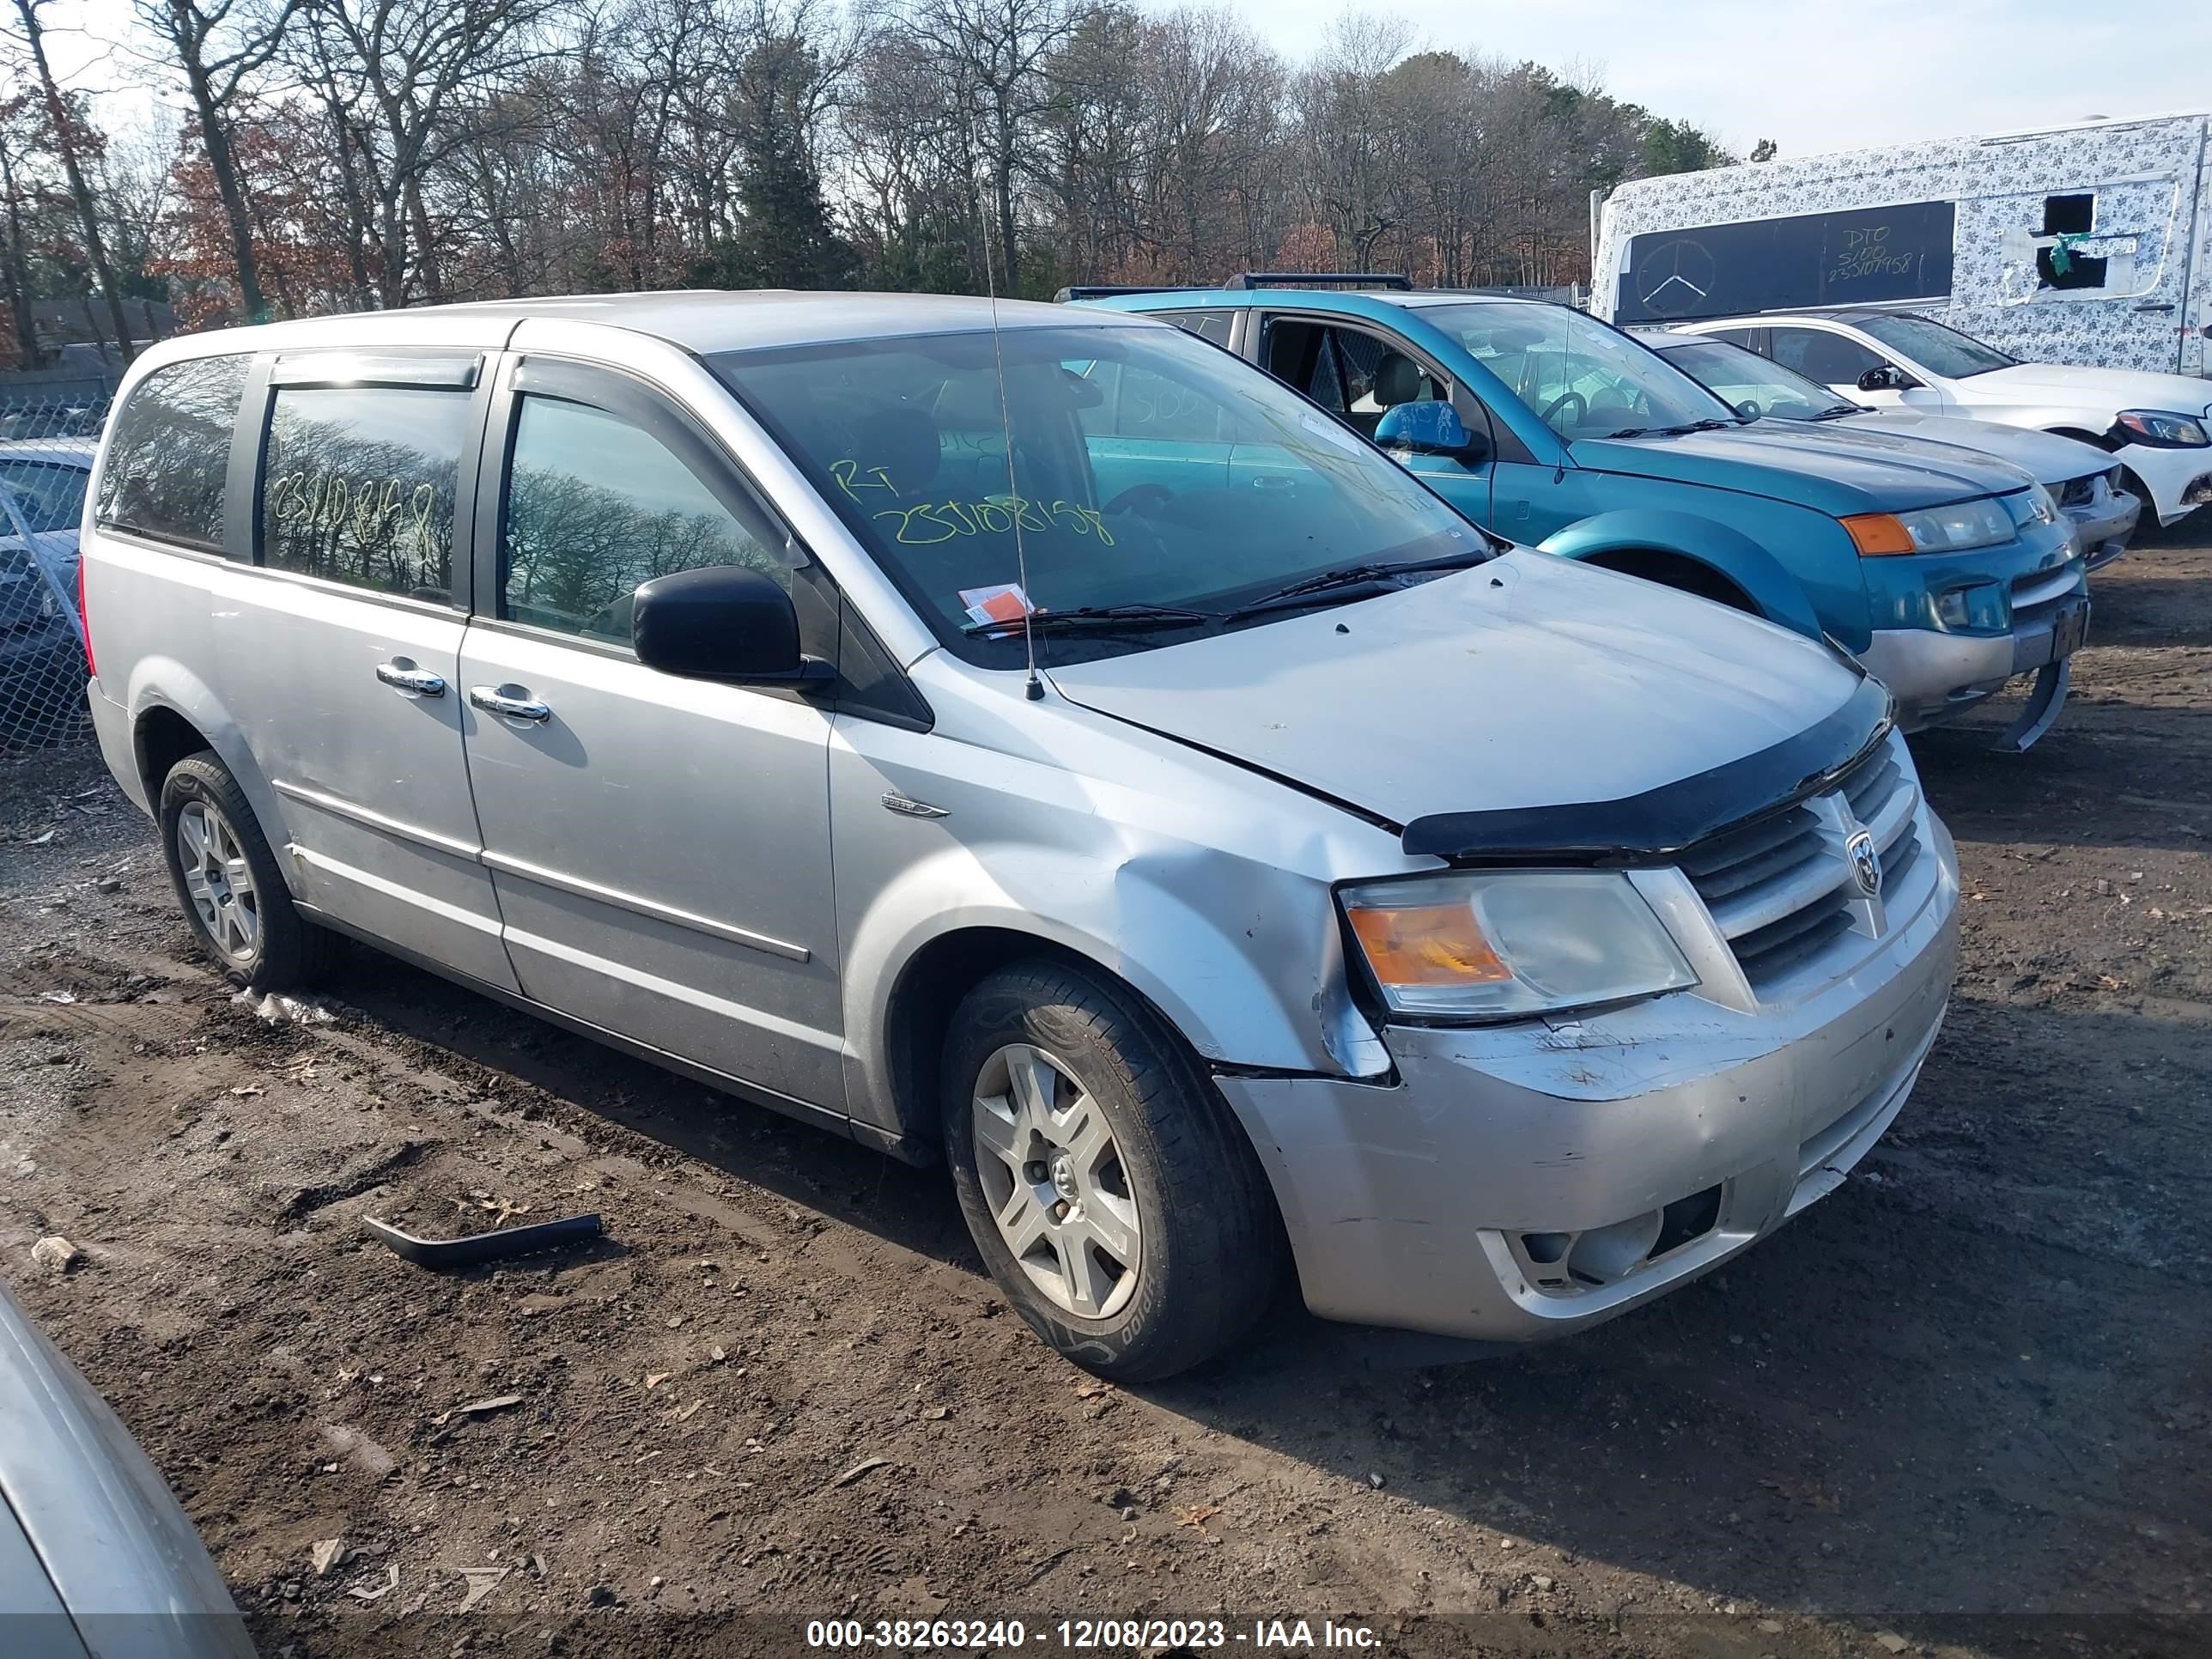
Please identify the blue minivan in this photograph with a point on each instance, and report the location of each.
(1948, 574)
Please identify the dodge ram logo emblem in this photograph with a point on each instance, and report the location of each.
(1866, 862)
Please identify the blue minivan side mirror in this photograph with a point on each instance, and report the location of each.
(1432, 426)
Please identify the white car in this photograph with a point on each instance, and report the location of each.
(2158, 427)
(2083, 478)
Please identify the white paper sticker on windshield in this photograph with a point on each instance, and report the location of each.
(1338, 435)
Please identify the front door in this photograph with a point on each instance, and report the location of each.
(342, 650)
(660, 846)
(1358, 374)
(1839, 362)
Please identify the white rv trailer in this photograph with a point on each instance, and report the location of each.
(2089, 244)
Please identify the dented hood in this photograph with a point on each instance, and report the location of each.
(1529, 682)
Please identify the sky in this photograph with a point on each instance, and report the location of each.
(1812, 76)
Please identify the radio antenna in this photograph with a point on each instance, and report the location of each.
(1033, 689)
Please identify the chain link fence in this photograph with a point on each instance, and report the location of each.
(46, 457)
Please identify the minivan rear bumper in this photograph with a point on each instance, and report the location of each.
(111, 721)
(1666, 1136)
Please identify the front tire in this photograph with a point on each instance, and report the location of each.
(229, 885)
(1112, 1197)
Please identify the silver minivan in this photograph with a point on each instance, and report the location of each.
(1036, 740)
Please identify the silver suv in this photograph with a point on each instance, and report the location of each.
(1036, 740)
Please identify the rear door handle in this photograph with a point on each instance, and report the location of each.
(403, 676)
(509, 702)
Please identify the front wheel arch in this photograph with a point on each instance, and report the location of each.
(931, 985)
(1774, 592)
(1680, 572)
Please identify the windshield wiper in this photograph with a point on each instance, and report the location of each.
(1838, 412)
(1136, 617)
(1629, 432)
(1355, 576)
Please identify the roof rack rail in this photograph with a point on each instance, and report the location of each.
(1390, 279)
(1107, 290)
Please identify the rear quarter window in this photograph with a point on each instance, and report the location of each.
(170, 452)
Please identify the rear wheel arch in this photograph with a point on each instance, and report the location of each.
(159, 739)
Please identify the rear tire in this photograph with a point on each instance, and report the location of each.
(229, 885)
(1112, 1197)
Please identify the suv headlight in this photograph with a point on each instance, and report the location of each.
(2159, 428)
(1506, 943)
(1952, 529)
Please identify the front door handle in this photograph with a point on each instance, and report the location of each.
(509, 702)
(404, 676)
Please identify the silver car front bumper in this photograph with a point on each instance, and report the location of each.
(1658, 1139)
(2103, 524)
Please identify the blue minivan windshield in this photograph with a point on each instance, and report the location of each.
(1158, 483)
(1581, 378)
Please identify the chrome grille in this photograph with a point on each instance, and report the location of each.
(1781, 890)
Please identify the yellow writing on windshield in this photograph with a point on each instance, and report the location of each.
(852, 480)
(929, 522)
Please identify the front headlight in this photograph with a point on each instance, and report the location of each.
(2160, 428)
(1954, 529)
(1507, 944)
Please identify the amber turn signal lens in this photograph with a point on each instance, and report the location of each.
(1878, 535)
(1427, 944)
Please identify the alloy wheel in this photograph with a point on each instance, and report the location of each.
(218, 881)
(1052, 1174)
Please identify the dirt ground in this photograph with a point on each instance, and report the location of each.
(1960, 1407)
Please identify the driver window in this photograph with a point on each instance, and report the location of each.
(1349, 371)
(1819, 355)
(595, 506)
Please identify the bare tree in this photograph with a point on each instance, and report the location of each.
(992, 54)
(218, 46)
(68, 145)
(407, 84)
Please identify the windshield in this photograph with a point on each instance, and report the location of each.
(1583, 378)
(50, 497)
(1753, 385)
(1149, 468)
(1938, 349)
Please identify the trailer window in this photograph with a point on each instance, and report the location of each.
(2069, 215)
(2079, 270)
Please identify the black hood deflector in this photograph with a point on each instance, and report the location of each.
(1662, 821)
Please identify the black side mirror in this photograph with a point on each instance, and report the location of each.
(1884, 377)
(1749, 408)
(722, 623)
